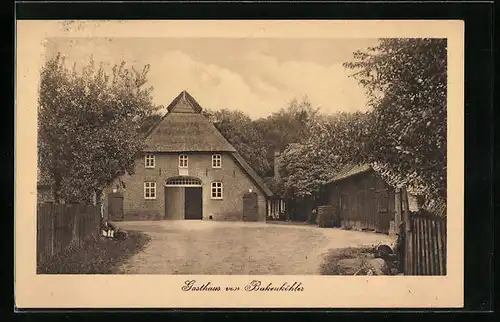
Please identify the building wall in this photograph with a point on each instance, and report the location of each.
(363, 214)
(235, 184)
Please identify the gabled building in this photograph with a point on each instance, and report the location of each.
(188, 170)
(366, 197)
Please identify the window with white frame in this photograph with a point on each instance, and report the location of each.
(149, 190)
(216, 161)
(183, 161)
(149, 161)
(217, 190)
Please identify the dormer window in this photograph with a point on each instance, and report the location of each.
(216, 161)
(183, 161)
(149, 161)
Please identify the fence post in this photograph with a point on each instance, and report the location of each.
(52, 229)
(397, 210)
(408, 234)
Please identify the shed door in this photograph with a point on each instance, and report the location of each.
(371, 211)
(115, 206)
(250, 207)
(383, 214)
(363, 214)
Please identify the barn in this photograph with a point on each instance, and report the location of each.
(188, 170)
(366, 198)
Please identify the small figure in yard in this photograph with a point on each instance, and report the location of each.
(314, 216)
(107, 228)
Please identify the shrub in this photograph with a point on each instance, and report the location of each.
(330, 264)
(98, 255)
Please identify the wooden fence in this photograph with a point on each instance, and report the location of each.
(62, 225)
(424, 243)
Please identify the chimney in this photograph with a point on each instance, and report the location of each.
(276, 164)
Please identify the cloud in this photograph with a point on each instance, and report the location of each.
(257, 85)
(328, 87)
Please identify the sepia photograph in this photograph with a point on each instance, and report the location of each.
(250, 156)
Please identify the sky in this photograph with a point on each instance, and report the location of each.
(257, 76)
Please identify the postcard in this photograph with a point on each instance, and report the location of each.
(239, 164)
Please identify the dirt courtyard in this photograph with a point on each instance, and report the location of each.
(238, 248)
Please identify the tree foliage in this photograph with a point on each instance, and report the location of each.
(334, 141)
(88, 125)
(405, 130)
(406, 80)
(257, 140)
(286, 126)
(238, 128)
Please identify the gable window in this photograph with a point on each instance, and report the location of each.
(149, 190)
(216, 161)
(149, 161)
(183, 161)
(217, 190)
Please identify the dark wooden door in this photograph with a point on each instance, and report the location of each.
(371, 211)
(250, 207)
(115, 206)
(193, 203)
(383, 215)
(363, 214)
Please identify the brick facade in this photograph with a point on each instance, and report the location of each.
(236, 182)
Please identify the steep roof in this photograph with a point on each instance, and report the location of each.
(185, 129)
(389, 177)
(184, 103)
(251, 172)
(349, 171)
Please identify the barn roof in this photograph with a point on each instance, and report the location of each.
(251, 172)
(388, 176)
(185, 129)
(349, 171)
(414, 186)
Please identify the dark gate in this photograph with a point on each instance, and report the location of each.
(371, 209)
(362, 210)
(115, 206)
(383, 211)
(250, 207)
(193, 203)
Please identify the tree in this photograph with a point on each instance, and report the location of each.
(333, 142)
(240, 131)
(406, 83)
(89, 125)
(286, 126)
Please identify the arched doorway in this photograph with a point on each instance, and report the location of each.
(183, 198)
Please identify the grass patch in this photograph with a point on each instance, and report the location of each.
(99, 255)
(330, 264)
